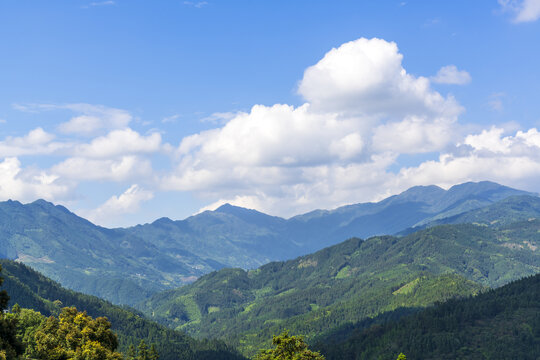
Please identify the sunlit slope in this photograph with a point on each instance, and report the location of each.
(348, 282)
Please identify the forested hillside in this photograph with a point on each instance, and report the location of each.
(125, 266)
(30, 289)
(348, 282)
(499, 324)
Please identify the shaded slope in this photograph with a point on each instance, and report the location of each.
(30, 289)
(500, 324)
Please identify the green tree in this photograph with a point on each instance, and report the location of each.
(152, 353)
(143, 351)
(288, 348)
(131, 353)
(76, 336)
(10, 347)
(401, 356)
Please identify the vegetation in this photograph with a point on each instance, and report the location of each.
(34, 291)
(503, 323)
(288, 348)
(348, 282)
(126, 266)
(10, 347)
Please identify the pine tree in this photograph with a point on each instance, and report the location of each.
(143, 351)
(153, 354)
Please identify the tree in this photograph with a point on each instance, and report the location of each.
(401, 356)
(131, 353)
(152, 353)
(288, 348)
(10, 347)
(143, 351)
(75, 335)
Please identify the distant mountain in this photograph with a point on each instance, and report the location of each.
(349, 282)
(32, 290)
(501, 213)
(125, 266)
(111, 263)
(500, 324)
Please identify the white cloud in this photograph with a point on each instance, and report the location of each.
(120, 142)
(170, 119)
(362, 110)
(36, 142)
(221, 117)
(90, 120)
(29, 184)
(524, 10)
(116, 206)
(120, 169)
(94, 119)
(451, 75)
(365, 77)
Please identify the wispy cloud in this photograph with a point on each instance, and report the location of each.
(495, 102)
(197, 4)
(524, 10)
(451, 75)
(99, 3)
(170, 119)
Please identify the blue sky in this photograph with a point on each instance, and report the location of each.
(126, 111)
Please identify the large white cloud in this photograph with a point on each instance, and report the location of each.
(362, 110)
(26, 184)
(366, 77)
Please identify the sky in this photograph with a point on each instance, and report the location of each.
(126, 111)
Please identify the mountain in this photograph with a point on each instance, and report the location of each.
(30, 289)
(127, 265)
(349, 282)
(499, 324)
(108, 262)
(503, 212)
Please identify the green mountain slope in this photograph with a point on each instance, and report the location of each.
(30, 289)
(500, 324)
(348, 282)
(125, 266)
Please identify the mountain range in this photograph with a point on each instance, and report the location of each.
(348, 282)
(127, 265)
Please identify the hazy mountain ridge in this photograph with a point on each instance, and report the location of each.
(126, 265)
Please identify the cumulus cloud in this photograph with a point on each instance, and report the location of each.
(524, 10)
(451, 75)
(119, 142)
(116, 206)
(362, 109)
(29, 184)
(119, 169)
(366, 77)
(93, 119)
(36, 142)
